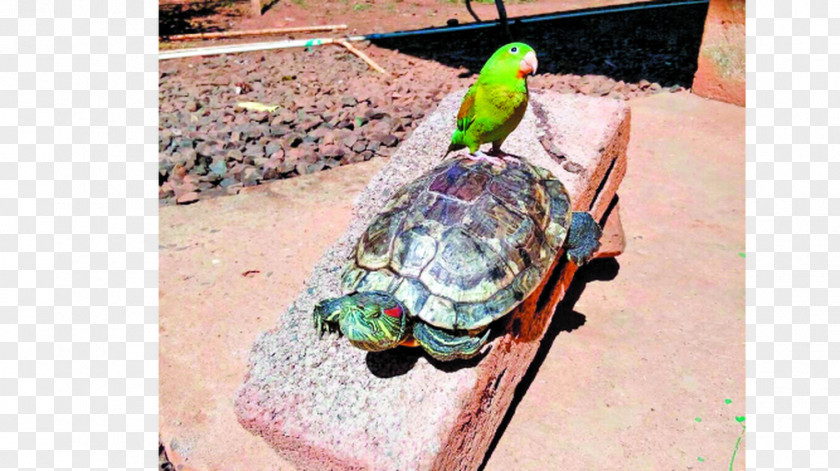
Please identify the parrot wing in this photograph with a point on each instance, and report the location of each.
(466, 114)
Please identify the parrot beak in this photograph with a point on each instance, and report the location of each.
(528, 64)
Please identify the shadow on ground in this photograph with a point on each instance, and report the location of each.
(399, 361)
(565, 319)
(658, 44)
(197, 17)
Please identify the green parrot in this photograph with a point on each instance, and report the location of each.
(495, 104)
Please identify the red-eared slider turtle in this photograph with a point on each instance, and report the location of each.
(453, 251)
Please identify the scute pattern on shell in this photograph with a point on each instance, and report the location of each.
(465, 243)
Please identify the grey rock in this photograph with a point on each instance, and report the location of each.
(219, 168)
(332, 151)
(272, 148)
(235, 155)
(359, 146)
(187, 198)
(390, 140)
(250, 177)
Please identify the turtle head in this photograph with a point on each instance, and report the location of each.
(372, 321)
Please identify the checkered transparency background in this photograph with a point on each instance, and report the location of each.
(78, 234)
(793, 241)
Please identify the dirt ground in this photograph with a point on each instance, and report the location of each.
(228, 266)
(361, 16)
(644, 371)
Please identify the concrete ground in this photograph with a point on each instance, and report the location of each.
(645, 372)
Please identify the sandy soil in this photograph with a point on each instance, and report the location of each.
(635, 376)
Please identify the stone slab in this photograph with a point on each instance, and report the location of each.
(326, 405)
(721, 65)
(612, 237)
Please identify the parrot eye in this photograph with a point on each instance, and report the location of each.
(514, 49)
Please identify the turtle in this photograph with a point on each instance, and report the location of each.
(453, 251)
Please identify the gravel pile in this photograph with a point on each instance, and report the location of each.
(331, 109)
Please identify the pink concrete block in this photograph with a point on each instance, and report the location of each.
(326, 405)
(721, 64)
(612, 238)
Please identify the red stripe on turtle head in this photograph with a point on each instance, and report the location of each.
(395, 311)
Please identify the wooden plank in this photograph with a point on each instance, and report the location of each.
(254, 32)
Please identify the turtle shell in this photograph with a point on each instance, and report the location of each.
(465, 243)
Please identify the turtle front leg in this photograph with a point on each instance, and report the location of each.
(326, 315)
(583, 239)
(444, 345)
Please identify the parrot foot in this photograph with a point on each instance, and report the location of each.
(511, 159)
(479, 156)
(498, 152)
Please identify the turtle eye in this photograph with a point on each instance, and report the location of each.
(394, 312)
(514, 50)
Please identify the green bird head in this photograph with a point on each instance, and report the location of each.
(511, 60)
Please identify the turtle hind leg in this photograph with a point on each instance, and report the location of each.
(583, 239)
(444, 345)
